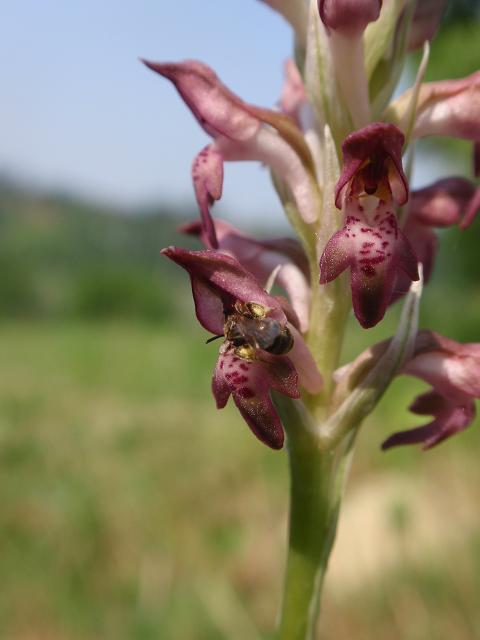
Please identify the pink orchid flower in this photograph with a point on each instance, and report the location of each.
(253, 359)
(453, 371)
(445, 108)
(370, 243)
(446, 202)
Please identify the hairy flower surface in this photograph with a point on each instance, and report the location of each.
(230, 302)
(370, 243)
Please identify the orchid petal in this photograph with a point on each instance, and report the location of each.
(219, 276)
(453, 371)
(243, 132)
(449, 419)
(301, 356)
(375, 249)
(472, 209)
(219, 111)
(451, 368)
(446, 108)
(208, 306)
(442, 203)
(207, 175)
(271, 149)
(261, 257)
(293, 96)
(249, 382)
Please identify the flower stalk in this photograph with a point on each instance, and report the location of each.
(317, 477)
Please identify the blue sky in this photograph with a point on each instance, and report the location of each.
(78, 112)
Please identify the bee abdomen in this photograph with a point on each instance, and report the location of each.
(281, 343)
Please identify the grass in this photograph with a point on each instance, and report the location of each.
(132, 509)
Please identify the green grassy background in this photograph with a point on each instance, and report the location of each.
(131, 508)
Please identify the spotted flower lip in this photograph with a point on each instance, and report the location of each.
(220, 285)
(349, 17)
(261, 257)
(370, 243)
(241, 132)
(249, 383)
(375, 249)
(373, 156)
(453, 371)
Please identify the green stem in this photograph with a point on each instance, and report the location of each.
(328, 317)
(314, 503)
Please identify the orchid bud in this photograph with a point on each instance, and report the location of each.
(349, 17)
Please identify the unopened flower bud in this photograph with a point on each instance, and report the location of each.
(349, 17)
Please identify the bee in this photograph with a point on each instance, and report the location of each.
(249, 329)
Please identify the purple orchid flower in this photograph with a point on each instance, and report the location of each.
(446, 202)
(453, 371)
(262, 258)
(370, 243)
(230, 302)
(241, 132)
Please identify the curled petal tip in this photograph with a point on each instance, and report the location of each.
(154, 66)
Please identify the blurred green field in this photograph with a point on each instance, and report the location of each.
(131, 508)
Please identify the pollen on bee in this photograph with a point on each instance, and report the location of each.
(257, 310)
(246, 352)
